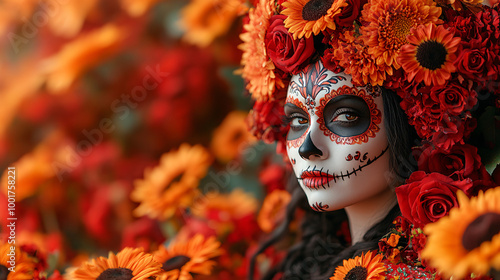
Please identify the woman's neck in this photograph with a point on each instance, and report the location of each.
(363, 215)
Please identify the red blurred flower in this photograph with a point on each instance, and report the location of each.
(427, 197)
(288, 54)
(350, 12)
(144, 232)
(272, 177)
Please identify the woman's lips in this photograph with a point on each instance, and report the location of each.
(315, 179)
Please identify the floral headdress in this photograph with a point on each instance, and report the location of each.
(441, 57)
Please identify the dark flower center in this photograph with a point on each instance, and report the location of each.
(357, 273)
(4, 271)
(175, 263)
(315, 9)
(116, 274)
(431, 54)
(482, 229)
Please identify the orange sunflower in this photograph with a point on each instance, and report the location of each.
(430, 54)
(258, 69)
(468, 239)
(204, 20)
(173, 184)
(231, 136)
(390, 22)
(15, 264)
(181, 259)
(273, 209)
(366, 267)
(305, 17)
(130, 263)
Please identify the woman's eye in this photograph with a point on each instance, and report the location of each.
(345, 117)
(299, 121)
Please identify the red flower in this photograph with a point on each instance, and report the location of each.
(272, 177)
(459, 163)
(476, 63)
(427, 197)
(350, 12)
(287, 54)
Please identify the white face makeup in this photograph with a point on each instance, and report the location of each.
(337, 142)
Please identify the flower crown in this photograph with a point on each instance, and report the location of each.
(441, 57)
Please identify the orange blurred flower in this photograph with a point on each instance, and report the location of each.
(273, 210)
(19, 261)
(231, 136)
(205, 20)
(225, 207)
(137, 8)
(67, 19)
(173, 184)
(129, 262)
(82, 53)
(181, 259)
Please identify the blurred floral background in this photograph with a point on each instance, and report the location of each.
(126, 125)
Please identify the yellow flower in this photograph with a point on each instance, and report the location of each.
(367, 266)
(205, 20)
(468, 239)
(306, 17)
(181, 259)
(130, 263)
(173, 184)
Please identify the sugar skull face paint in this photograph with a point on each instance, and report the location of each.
(337, 142)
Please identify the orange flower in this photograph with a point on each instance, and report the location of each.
(473, 5)
(204, 20)
(468, 239)
(231, 136)
(258, 69)
(354, 58)
(69, 17)
(367, 266)
(87, 50)
(130, 263)
(22, 265)
(390, 22)
(232, 206)
(173, 184)
(430, 54)
(273, 209)
(305, 17)
(181, 259)
(137, 8)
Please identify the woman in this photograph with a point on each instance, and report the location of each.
(357, 81)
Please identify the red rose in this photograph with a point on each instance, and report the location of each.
(451, 98)
(459, 163)
(425, 198)
(286, 53)
(477, 63)
(350, 12)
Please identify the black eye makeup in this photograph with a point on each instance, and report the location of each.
(298, 120)
(347, 115)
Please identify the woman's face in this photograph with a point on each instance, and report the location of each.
(337, 142)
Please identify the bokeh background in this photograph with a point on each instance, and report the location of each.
(102, 97)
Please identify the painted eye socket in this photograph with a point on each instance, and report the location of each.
(298, 122)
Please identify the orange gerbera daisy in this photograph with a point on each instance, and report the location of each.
(258, 69)
(204, 20)
(181, 259)
(15, 264)
(305, 17)
(273, 209)
(231, 136)
(430, 54)
(390, 22)
(354, 58)
(468, 239)
(173, 184)
(366, 267)
(130, 263)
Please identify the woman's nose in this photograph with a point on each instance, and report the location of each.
(308, 149)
